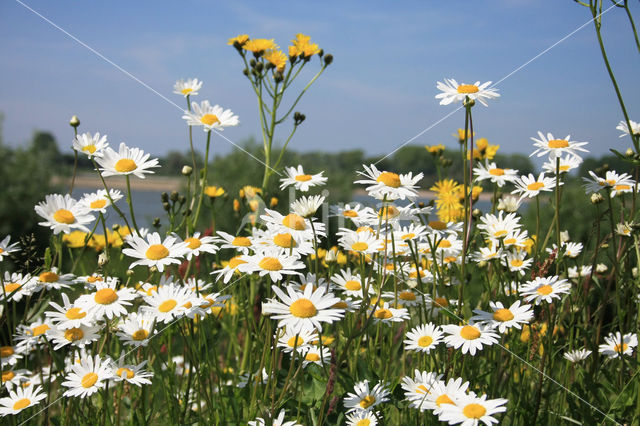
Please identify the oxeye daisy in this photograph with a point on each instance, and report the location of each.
(529, 186)
(76, 336)
(308, 309)
(517, 262)
(386, 314)
(9, 355)
(240, 243)
(130, 373)
(229, 269)
(198, 244)
(509, 203)
(441, 229)
(504, 318)
(20, 399)
(617, 345)
(155, 252)
(567, 163)
(405, 297)
(126, 161)
(106, 301)
(99, 201)
(624, 128)
(443, 394)
(63, 213)
(569, 249)
(273, 262)
(423, 338)
(291, 337)
(136, 329)
(188, 87)
(556, 147)
(69, 315)
(361, 242)
(6, 248)
(544, 289)
(307, 206)
(389, 185)
(88, 376)
(470, 337)
(296, 177)
(259, 377)
(293, 223)
(16, 286)
(53, 280)
(351, 284)
(14, 377)
(169, 302)
(350, 211)
(416, 389)
(364, 398)
(496, 227)
(294, 246)
(576, 355)
(454, 92)
(210, 117)
(27, 337)
(494, 173)
(313, 355)
(363, 418)
(90, 145)
(470, 410)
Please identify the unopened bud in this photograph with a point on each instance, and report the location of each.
(596, 198)
(564, 236)
(174, 196)
(629, 152)
(278, 77)
(476, 213)
(130, 272)
(273, 202)
(166, 206)
(186, 170)
(328, 58)
(468, 102)
(156, 222)
(115, 227)
(74, 121)
(102, 259)
(164, 197)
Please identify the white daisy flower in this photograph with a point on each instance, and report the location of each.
(106, 301)
(77, 336)
(210, 117)
(496, 227)
(443, 394)
(278, 421)
(130, 373)
(90, 145)
(126, 161)
(99, 201)
(294, 246)
(423, 338)
(273, 262)
(313, 355)
(9, 355)
(556, 147)
(308, 309)
(136, 329)
(20, 399)
(529, 186)
(470, 410)
(577, 355)
(69, 315)
(442, 229)
(351, 283)
(198, 245)
(406, 297)
(88, 377)
(230, 268)
(616, 345)
(517, 262)
(307, 206)
(567, 163)
(294, 224)
(363, 418)
(544, 289)
(454, 92)
(63, 213)
(494, 173)
(240, 243)
(6, 248)
(353, 212)
(188, 87)
(388, 185)
(470, 338)
(583, 271)
(416, 389)
(509, 203)
(156, 252)
(16, 286)
(622, 126)
(515, 239)
(302, 182)
(386, 314)
(504, 318)
(291, 337)
(53, 280)
(14, 377)
(27, 337)
(259, 377)
(361, 242)
(486, 254)
(169, 302)
(365, 399)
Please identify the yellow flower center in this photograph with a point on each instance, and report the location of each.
(359, 246)
(468, 88)
(140, 334)
(469, 332)
(389, 179)
(444, 399)
(353, 285)
(73, 334)
(21, 403)
(544, 289)
(48, 277)
(167, 305)
(186, 90)
(350, 213)
(558, 143)
(383, 314)
(388, 212)
(89, 380)
(8, 375)
(437, 225)
(425, 341)
(303, 178)
(94, 278)
(64, 216)
(407, 295)
(367, 401)
(474, 411)
(622, 187)
(39, 330)
(284, 240)
(128, 371)
(441, 301)
(75, 313)
(89, 148)
(303, 308)
(408, 236)
(313, 357)
(209, 119)
(422, 389)
(292, 341)
(503, 315)
(535, 186)
(98, 204)
(620, 348)
(235, 262)
(105, 296)
(294, 221)
(509, 241)
(500, 233)
(194, 243)
(444, 244)
(270, 264)
(11, 287)
(156, 252)
(564, 168)
(496, 172)
(125, 165)
(516, 263)
(341, 305)
(364, 422)
(6, 351)
(241, 242)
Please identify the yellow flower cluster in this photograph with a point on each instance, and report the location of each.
(76, 239)
(301, 47)
(484, 150)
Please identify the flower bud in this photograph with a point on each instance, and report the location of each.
(102, 259)
(74, 121)
(130, 271)
(596, 198)
(186, 170)
(153, 269)
(564, 236)
(476, 213)
(174, 196)
(468, 102)
(115, 227)
(156, 222)
(164, 197)
(273, 202)
(328, 58)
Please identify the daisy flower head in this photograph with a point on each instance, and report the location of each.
(567, 163)
(494, 173)
(239, 243)
(53, 280)
(130, 373)
(389, 185)
(496, 227)
(351, 283)
(307, 206)
(210, 117)
(77, 336)
(504, 318)
(126, 161)
(62, 214)
(20, 399)
(406, 297)
(313, 355)
(88, 376)
(544, 289)
(300, 338)
(90, 145)
(6, 248)
(577, 355)
(9, 355)
(516, 261)
(274, 262)
(470, 338)
(293, 223)
(624, 128)
(230, 268)
(471, 410)
(443, 394)
(351, 211)
(99, 201)
(386, 314)
(107, 301)
(509, 203)
(136, 329)
(365, 398)
(169, 302)
(454, 92)
(28, 337)
(423, 338)
(153, 251)
(296, 177)
(617, 345)
(363, 418)
(417, 388)
(361, 242)
(16, 286)
(530, 186)
(198, 244)
(68, 315)
(303, 309)
(556, 148)
(187, 87)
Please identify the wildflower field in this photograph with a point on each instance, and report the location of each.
(297, 311)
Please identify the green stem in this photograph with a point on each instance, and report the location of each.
(203, 183)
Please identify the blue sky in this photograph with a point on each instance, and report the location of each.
(378, 93)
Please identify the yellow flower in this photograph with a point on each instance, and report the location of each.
(461, 135)
(342, 258)
(241, 39)
(484, 150)
(236, 205)
(302, 46)
(249, 191)
(277, 58)
(435, 149)
(214, 191)
(259, 45)
(273, 202)
(74, 239)
(529, 242)
(97, 242)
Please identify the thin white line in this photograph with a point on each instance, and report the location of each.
(127, 73)
(501, 80)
